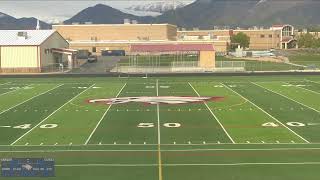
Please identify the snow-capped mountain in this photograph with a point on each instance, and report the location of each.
(159, 7)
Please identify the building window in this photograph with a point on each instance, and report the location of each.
(278, 35)
(262, 36)
(94, 49)
(270, 35)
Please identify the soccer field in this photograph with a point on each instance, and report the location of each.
(165, 128)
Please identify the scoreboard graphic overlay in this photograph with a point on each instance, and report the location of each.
(27, 167)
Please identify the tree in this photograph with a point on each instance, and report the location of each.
(240, 39)
(307, 41)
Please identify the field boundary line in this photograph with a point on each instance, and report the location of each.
(246, 164)
(303, 88)
(204, 164)
(212, 114)
(104, 165)
(30, 99)
(51, 114)
(165, 150)
(267, 113)
(286, 97)
(104, 114)
(187, 144)
(155, 150)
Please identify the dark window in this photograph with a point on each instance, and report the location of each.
(270, 35)
(262, 36)
(94, 49)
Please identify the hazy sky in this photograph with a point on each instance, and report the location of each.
(59, 10)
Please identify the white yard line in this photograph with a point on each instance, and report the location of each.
(303, 88)
(51, 114)
(212, 114)
(30, 99)
(159, 136)
(267, 114)
(286, 97)
(14, 90)
(5, 83)
(104, 114)
(158, 115)
(313, 81)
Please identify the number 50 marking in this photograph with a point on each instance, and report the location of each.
(150, 125)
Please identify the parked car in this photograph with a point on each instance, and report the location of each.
(92, 58)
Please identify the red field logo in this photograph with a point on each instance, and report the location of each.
(156, 100)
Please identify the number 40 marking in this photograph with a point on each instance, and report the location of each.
(28, 126)
(293, 124)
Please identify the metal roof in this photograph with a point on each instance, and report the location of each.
(33, 37)
(171, 47)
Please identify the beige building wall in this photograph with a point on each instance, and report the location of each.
(19, 59)
(47, 58)
(262, 39)
(100, 32)
(207, 59)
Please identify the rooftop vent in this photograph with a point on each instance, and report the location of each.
(126, 21)
(22, 35)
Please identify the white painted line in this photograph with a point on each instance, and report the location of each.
(286, 97)
(155, 150)
(50, 115)
(5, 83)
(267, 114)
(246, 164)
(216, 164)
(105, 165)
(304, 88)
(30, 99)
(11, 91)
(5, 126)
(212, 114)
(104, 114)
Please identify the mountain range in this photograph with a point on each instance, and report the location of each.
(201, 13)
(158, 7)
(8, 22)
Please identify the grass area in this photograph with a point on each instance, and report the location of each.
(165, 128)
(261, 65)
(306, 59)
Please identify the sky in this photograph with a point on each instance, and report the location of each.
(59, 10)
